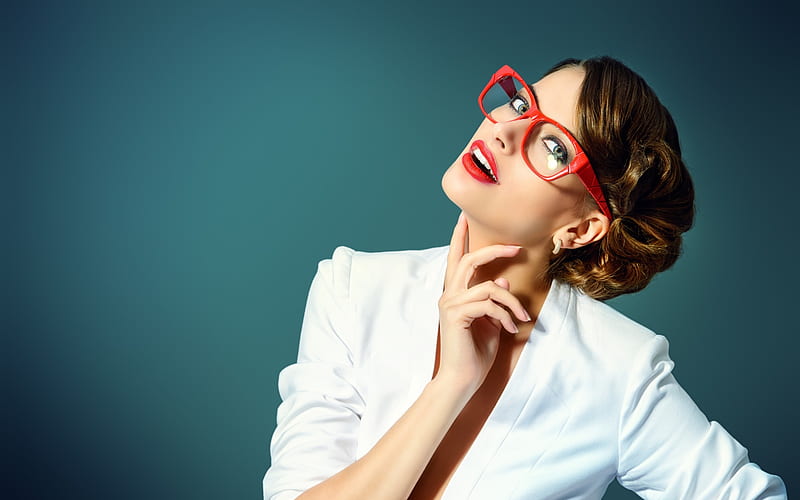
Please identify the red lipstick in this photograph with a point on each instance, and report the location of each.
(480, 163)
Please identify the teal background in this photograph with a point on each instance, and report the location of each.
(173, 172)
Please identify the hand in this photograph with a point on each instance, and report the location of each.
(471, 318)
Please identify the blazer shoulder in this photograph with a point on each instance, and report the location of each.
(392, 257)
(612, 333)
(385, 265)
(370, 279)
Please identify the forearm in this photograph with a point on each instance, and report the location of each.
(391, 469)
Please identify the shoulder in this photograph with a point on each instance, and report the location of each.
(389, 258)
(397, 290)
(616, 343)
(610, 326)
(354, 268)
(599, 358)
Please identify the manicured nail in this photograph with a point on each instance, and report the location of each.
(516, 330)
(527, 316)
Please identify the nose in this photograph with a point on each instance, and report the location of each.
(508, 135)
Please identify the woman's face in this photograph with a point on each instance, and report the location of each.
(520, 208)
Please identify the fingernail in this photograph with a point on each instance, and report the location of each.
(516, 330)
(527, 316)
(461, 216)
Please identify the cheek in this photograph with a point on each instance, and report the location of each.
(539, 207)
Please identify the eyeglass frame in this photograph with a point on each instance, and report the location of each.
(579, 165)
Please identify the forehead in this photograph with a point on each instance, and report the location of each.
(557, 95)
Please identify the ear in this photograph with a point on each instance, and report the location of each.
(584, 231)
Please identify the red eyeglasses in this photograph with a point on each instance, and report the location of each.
(547, 147)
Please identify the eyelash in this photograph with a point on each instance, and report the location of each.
(550, 138)
(514, 108)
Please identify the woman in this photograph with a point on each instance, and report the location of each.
(532, 387)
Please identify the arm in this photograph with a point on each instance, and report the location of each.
(668, 449)
(392, 467)
(321, 431)
(318, 420)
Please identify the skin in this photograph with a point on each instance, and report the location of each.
(493, 284)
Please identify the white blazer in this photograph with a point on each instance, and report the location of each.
(591, 399)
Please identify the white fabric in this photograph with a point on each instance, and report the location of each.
(591, 399)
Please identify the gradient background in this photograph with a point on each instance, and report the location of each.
(174, 172)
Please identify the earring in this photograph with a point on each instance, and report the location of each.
(557, 247)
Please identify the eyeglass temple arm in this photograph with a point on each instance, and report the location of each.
(593, 186)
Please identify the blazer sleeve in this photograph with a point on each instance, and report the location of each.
(667, 447)
(319, 417)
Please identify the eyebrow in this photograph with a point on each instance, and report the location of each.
(535, 97)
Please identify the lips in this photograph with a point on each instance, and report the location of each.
(479, 163)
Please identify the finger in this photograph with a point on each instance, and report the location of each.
(503, 283)
(457, 247)
(471, 261)
(486, 308)
(491, 290)
(519, 310)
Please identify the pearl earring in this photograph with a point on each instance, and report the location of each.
(557, 247)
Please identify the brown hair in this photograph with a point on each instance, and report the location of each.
(632, 144)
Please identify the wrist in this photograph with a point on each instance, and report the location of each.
(452, 389)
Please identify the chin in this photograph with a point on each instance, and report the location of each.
(455, 186)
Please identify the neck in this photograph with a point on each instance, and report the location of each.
(526, 272)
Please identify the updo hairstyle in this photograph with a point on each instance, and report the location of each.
(632, 144)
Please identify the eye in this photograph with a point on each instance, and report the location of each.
(519, 104)
(557, 156)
